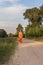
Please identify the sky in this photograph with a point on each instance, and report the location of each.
(11, 13)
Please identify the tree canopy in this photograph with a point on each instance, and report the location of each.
(41, 10)
(34, 15)
(3, 33)
(19, 28)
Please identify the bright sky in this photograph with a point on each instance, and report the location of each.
(11, 13)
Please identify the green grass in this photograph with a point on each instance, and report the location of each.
(7, 47)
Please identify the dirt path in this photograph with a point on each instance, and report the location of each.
(28, 53)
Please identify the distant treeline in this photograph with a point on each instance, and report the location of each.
(3, 34)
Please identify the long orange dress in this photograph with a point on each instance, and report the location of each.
(20, 36)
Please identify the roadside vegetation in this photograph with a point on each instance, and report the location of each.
(34, 32)
(7, 48)
(34, 29)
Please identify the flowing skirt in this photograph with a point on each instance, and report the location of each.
(20, 39)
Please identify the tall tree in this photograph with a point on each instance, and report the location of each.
(19, 28)
(33, 15)
(41, 10)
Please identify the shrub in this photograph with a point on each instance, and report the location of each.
(10, 35)
(41, 28)
(34, 31)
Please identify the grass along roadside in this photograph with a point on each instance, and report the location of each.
(7, 47)
(38, 39)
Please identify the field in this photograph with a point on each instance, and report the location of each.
(7, 47)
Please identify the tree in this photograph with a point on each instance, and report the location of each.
(19, 28)
(10, 35)
(33, 15)
(3, 33)
(41, 10)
